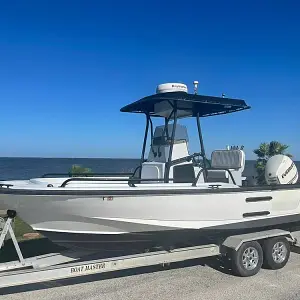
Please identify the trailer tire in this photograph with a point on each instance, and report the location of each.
(276, 253)
(248, 259)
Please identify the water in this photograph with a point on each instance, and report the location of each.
(24, 168)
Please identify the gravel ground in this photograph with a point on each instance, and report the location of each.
(201, 279)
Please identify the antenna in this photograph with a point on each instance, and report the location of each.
(195, 86)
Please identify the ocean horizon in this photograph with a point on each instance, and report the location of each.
(12, 168)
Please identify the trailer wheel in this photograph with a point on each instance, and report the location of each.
(276, 252)
(248, 259)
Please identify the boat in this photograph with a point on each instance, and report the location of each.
(172, 197)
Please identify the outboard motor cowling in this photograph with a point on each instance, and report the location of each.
(280, 169)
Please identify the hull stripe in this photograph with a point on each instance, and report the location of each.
(258, 199)
(256, 214)
(288, 222)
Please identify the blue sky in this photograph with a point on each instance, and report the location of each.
(67, 67)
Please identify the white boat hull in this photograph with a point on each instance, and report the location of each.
(90, 218)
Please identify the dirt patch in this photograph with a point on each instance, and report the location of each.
(31, 235)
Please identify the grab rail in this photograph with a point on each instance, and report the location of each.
(136, 169)
(86, 174)
(217, 169)
(184, 159)
(130, 181)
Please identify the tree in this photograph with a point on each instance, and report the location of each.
(264, 152)
(76, 170)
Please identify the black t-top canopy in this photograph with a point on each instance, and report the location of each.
(187, 105)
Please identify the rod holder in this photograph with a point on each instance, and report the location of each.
(196, 86)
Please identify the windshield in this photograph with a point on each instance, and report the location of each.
(163, 134)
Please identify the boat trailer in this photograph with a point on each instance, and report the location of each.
(246, 251)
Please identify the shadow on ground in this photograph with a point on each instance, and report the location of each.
(29, 248)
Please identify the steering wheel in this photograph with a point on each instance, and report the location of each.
(199, 163)
(207, 163)
(187, 158)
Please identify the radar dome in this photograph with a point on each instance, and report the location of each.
(171, 87)
(280, 169)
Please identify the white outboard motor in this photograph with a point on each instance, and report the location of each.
(280, 169)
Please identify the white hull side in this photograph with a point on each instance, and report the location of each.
(142, 213)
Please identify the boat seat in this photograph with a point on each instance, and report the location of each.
(184, 173)
(217, 176)
(233, 160)
(153, 170)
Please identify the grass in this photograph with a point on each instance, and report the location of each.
(38, 245)
(21, 228)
